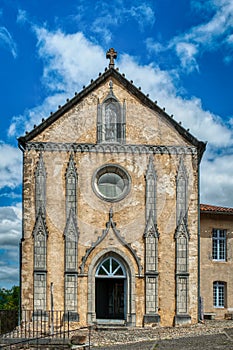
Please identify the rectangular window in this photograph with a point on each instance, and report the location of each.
(219, 244)
(40, 291)
(219, 294)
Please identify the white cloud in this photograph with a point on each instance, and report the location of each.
(154, 46)
(214, 33)
(187, 53)
(10, 226)
(217, 180)
(69, 60)
(7, 41)
(109, 15)
(10, 166)
(211, 35)
(10, 234)
(22, 123)
(143, 14)
(22, 16)
(159, 84)
(216, 166)
(101, 26)
(9, 276)
(230, 39)
(68, 65)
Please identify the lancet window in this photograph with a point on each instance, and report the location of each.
(111, 119)
(151, 247)
(40, 235)
(182, 243)
(71, 241)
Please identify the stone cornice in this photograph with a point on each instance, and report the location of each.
(109, 148)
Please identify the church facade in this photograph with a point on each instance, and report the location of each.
(110, 210)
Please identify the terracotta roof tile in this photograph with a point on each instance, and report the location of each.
(215, 209)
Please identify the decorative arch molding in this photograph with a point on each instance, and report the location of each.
(151, 227)
(130, 276)
(182, 228)
(111, 148)
(111, 224)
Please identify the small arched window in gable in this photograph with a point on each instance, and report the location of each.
(111, 120)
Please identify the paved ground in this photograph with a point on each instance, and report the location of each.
(207, 342)
(213, 335)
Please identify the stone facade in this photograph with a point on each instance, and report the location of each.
(110, 210)
(216, 260)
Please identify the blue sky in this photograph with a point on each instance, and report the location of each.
(181, 53)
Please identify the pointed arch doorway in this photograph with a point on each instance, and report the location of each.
(110, 290)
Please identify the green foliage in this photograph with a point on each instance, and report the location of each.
(9, 298)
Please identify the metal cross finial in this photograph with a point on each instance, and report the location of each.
(111, 54)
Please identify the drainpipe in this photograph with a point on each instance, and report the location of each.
(52, 309)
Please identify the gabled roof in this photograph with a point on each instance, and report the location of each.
(144, 99)
(213, 209)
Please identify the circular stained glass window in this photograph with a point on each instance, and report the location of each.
(111, 182)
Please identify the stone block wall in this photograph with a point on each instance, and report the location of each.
(127, 225)
(213, 270)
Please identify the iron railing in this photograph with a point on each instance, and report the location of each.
(42, 327)
(8, 320)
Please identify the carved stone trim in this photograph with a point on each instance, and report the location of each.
(40, 186)
(151, 227)
(111, 224)
(71, 186)
(182, 228)
(118, 171)
(109, 148)
(181, 193)
(40, 224)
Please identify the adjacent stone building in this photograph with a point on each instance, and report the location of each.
(216, 260)
(110, 209)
